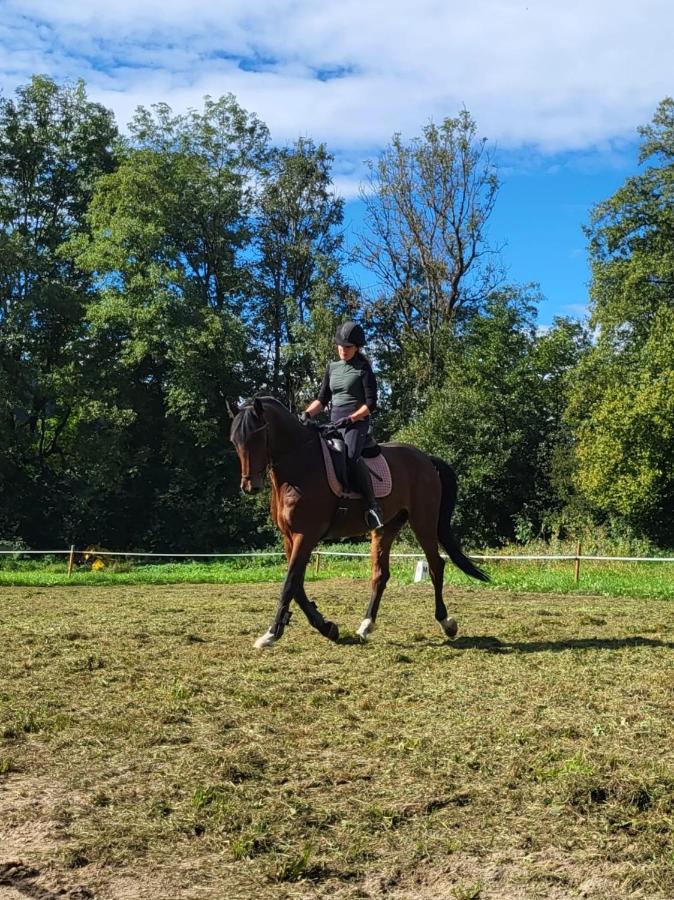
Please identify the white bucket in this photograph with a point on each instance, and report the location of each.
(421, 570)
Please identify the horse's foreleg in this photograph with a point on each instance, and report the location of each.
(327, 628)
(380, 556)
(281, 619)
(283, 614)
(293, 587)
(287, 546)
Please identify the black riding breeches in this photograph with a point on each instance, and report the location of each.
(354, 438)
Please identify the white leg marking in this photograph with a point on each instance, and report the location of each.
(365, 629)
(266, 640)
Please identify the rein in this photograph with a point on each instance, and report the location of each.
(273, 463)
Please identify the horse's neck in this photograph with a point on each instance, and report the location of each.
(285, 433)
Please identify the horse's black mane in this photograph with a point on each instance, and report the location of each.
(247, 421)
(244, 424)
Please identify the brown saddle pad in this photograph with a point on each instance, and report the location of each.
(379, 470)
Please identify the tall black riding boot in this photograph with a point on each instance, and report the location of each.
(373, 517)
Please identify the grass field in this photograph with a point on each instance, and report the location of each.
(147, 751)
(653, 580)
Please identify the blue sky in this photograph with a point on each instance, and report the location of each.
(538, 222)
(539, 219)
(558, 87)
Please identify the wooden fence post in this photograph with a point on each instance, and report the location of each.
(576, 564)
(317, 566)
(71, 560)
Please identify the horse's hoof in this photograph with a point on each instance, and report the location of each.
(268, 639)
(365, 629)
(450, 627)
(331, 631)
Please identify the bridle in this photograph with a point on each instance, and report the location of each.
(269, 462)
(265, 427)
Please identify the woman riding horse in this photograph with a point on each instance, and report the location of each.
(268, 437)
(351, 386)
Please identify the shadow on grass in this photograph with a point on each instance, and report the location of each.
(349, 640)
(494, 645)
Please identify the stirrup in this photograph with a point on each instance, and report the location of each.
(373, 520)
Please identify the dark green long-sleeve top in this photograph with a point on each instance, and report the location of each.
(348, 385)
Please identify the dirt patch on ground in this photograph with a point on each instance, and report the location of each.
(31, 829)
(501, 876)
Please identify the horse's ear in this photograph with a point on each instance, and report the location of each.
(257, 408)
(232, 409)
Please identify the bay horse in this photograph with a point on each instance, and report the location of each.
(267, 436)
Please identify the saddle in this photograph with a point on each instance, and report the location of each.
(337, 470)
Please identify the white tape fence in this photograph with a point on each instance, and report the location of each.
(575, 558)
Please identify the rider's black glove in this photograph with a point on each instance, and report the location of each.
(342, 423)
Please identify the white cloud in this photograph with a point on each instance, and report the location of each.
(557, 75)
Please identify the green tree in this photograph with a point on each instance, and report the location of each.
(623, 405)
(556, 509)
(301, 292)
(494, 416)
(54, 143)
(168, 244)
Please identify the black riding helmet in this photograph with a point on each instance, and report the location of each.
(350, 334)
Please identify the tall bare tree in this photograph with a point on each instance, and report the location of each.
(427, 204)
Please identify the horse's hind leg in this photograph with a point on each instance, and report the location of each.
(380, 554)
(428, 540)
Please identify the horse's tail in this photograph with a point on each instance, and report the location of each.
(445, 534)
